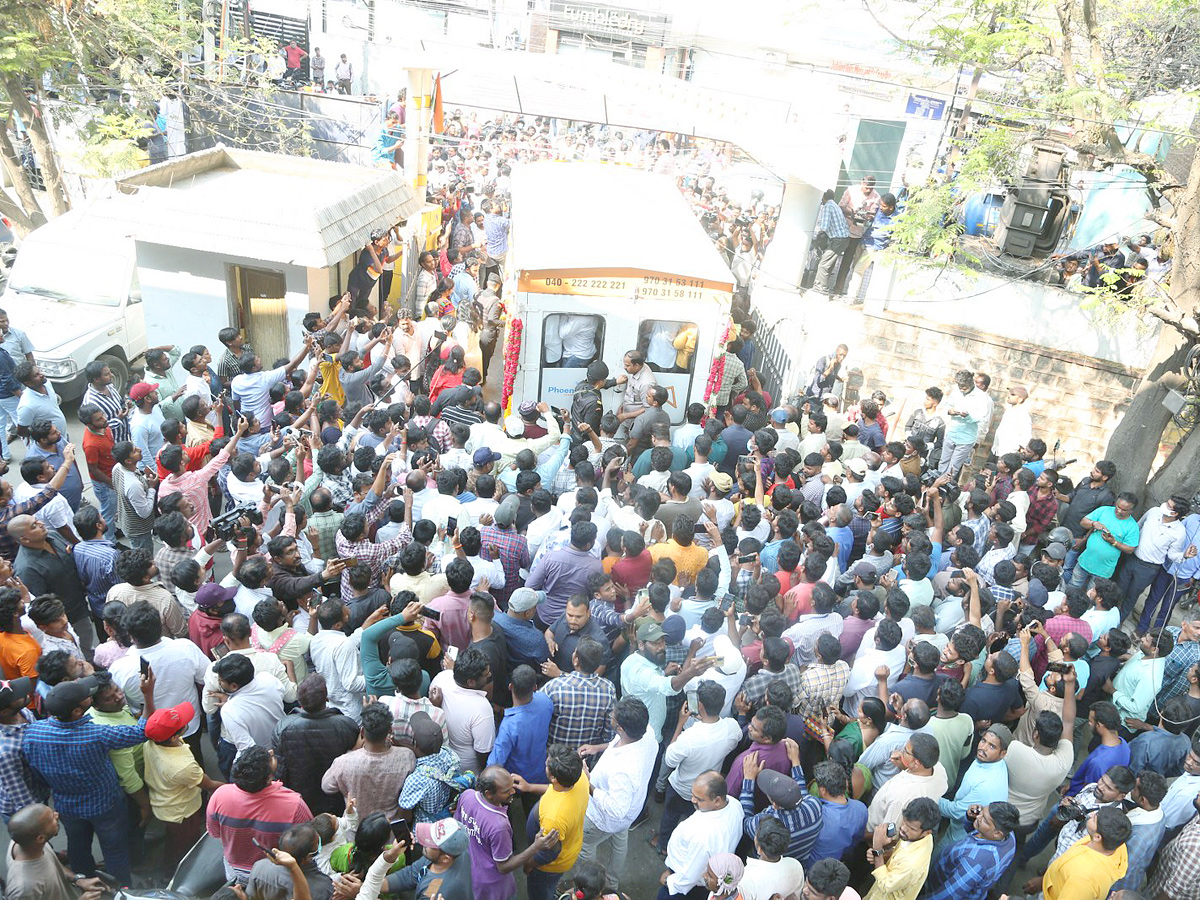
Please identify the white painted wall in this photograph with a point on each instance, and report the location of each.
(186, 294)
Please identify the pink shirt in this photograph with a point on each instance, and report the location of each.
(453, 625)
(194, 486)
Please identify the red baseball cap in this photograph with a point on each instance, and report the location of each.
(164, 724)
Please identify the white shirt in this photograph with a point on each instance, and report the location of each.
(785, 440)
(729, 674)
(53, 515)
(247, 598)
(541, 528)
(250, 714)
(335, 655)
(469, 720)
(655, 481)
(253, 391)
(1160, 541)
(619, 783)
(263, 662)
(178, 665)
(1177, 805)
(696, 838)
(486, 568)
(700, 748)
(763, 879)
(1014, 431)
(473, 510)
(578, 335)
(861, 683)
(439, 508)
(685, 435)
(698, 472)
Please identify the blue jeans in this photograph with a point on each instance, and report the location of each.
(1165, 591)
(1069, 564)
(542, 885)
(1133, 578)
(1081, 577)
(111, 828)
(107, 498)
(8, 414)
(576, 362)
(1041, 838)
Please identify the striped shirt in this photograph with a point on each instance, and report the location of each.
(112, 406)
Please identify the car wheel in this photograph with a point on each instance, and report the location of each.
(120, 372)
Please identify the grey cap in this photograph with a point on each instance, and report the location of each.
(506, 512)
(524, 599)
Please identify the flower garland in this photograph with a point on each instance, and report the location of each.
(716, 372)
(512, 355)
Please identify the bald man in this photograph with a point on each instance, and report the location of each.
(45, 564)
(34, 873)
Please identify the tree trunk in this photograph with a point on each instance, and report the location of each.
(1066, 57)
(28, 215)
(1135, 441)
(35, 125)
(1099, 69)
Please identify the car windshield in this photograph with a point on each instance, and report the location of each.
(85, 274)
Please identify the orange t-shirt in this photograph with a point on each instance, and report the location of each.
(19, 655)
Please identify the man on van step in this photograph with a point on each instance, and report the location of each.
(587, 407)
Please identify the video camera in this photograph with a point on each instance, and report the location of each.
(230, 525)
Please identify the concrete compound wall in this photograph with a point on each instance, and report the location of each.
(1075, 399)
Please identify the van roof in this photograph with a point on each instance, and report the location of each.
(591, 217)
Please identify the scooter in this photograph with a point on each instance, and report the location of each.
(199, 875)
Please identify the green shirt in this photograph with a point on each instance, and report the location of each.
(128, 760)
(954, 742)
(643, 679)
(1099, 557)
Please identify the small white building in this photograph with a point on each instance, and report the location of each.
(251, 240)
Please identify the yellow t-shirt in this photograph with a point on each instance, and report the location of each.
(688, 560)
(565, 811)
(173, 779)
(331, 380)
(1082, 873)
(904, 875)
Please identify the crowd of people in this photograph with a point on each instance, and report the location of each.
(471, 164)
(341, 612)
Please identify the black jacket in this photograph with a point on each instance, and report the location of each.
(305, 745)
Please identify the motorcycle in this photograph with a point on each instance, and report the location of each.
(199, 875)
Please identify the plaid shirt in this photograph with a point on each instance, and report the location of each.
(967, 869)
(803, 823)
(755, 687)
(986, 569)
(426, 795)
(513, 555)
(370, 554)
(832, 221)
(167, 558)
(980, 527)
(583, 706)
(1178, 663)
(820, 686)
(1178, 873)
(326, 525)
(1039, 516)
(438, 431)
(999, 592)
(17, 788)
(72, 757)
